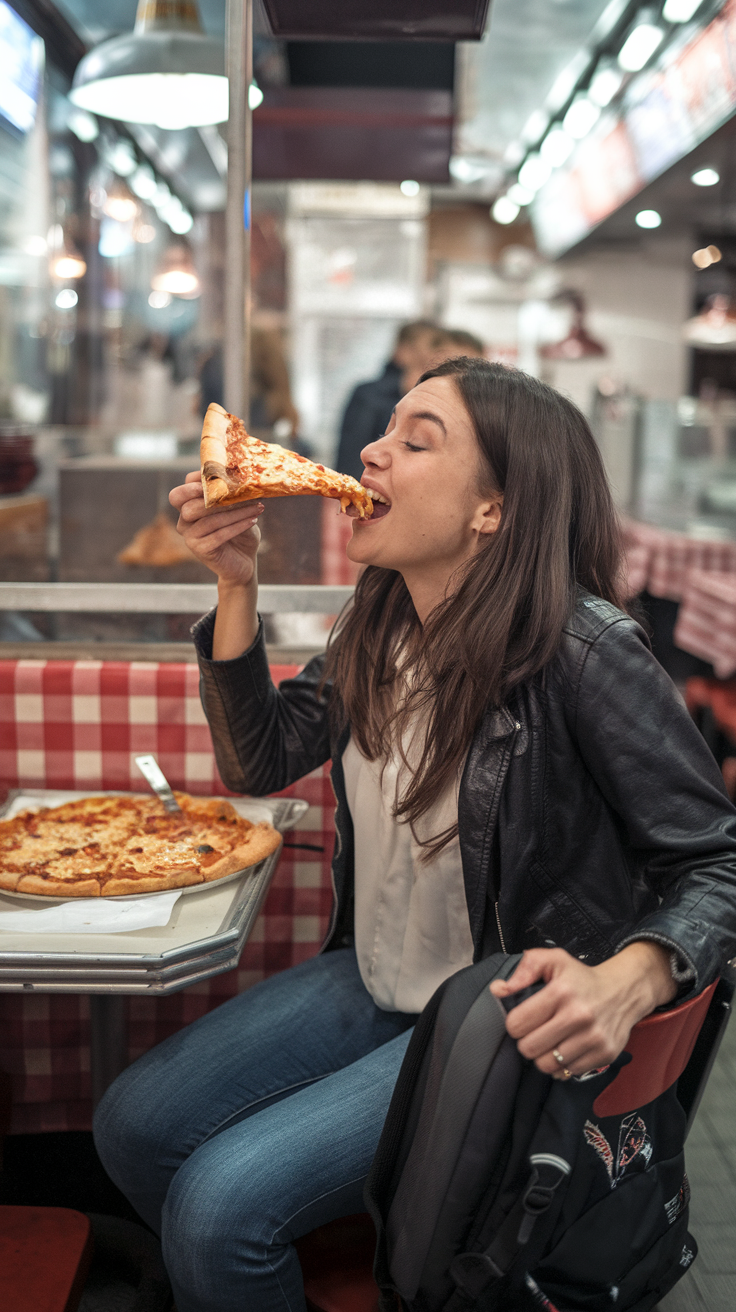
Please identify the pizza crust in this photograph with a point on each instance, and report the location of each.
(56, 887)
(261, 842)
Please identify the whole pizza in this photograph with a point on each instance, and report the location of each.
(107, 846)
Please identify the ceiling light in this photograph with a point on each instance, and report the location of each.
(513, 154)
(166, 72)
(66, 261)
(176, 275)
(534, 172)
(66, 299)
(557, 147)
(409, 188)
(520, 195)
(680, 11)
(143, 182)
(703, 259)
(255, 95)
(69, 266)
(505, 210)
(159, 300)
(606, 81)
(581, 117)
(640, 45)
(181, 223)
(535, 125)
(121, 158)
(119, 204)
(161, 195)
(648, 219)
(466, 170)
(175, 282)
(83, 125)
(705, 177)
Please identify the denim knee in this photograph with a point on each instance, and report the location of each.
(126, 1131)
(212, 1227)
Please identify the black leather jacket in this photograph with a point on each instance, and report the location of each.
(591, 813)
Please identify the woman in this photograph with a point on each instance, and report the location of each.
(511, 767)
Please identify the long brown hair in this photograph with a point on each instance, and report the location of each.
(502, 620)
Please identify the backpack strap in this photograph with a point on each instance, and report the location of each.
(423, 1185)
(473, 1272)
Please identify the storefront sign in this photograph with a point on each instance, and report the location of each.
(665, 114)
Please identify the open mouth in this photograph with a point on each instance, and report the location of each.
(381, 508)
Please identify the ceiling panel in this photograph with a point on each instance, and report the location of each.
(527, 46)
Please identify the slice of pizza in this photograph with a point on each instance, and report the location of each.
(237, 467)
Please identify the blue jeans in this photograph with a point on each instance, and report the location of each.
(252, 1126)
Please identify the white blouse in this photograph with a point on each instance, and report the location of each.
(412, 929)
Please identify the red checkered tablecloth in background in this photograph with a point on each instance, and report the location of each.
(659, 560)
(706, 620)
(337, 530)
(78, 724)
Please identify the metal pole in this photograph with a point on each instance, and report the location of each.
(236, 346)
(108, 1047)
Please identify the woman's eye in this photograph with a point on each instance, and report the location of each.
(411, 447)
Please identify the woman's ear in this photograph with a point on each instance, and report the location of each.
(488, 516)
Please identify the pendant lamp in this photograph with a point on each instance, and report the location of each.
(177, 275)
(578, 345)
(715, 326)
(165, 72)
(65, 260)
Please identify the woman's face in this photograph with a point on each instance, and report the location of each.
(427, 466)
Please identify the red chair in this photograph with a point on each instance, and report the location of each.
(337, 1259)
(45, 1253)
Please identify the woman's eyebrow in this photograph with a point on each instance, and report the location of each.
(433, 418)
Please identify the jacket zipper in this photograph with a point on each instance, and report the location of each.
(500, 931)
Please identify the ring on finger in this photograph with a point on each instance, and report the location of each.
(558, 1057)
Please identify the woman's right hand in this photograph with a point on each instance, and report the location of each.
(226, 541)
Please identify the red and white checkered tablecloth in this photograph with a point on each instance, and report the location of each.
(659, 560)
(706, 619)
(78, 724)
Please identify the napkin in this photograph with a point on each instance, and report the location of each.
(93, 915)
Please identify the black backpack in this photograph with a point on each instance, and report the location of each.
(495, 1187)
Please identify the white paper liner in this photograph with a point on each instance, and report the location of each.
(93, 915)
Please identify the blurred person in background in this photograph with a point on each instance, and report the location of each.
(270, 399)
(371, 404)
(420, 345)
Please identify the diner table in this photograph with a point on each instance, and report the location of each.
(74, 1014)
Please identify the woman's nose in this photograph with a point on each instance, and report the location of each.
(375, 453)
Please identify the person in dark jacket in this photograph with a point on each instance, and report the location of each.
(370, 405)
(512, 770)
(419, 346)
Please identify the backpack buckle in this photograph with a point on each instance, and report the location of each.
(472, 1272)
(548, 1172)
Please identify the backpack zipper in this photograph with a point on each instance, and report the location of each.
(500, 931)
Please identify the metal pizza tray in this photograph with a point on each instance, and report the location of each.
(205, 934)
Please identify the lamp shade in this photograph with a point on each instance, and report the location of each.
(166, 72)
(715, 327)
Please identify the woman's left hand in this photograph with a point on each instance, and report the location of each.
(585, 1013)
